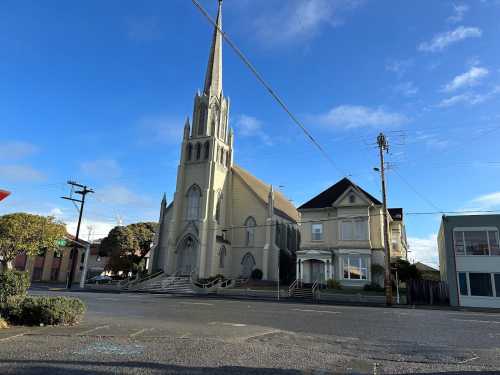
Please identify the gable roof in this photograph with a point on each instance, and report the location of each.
(282, 206)
(330, 195)
(425, 268)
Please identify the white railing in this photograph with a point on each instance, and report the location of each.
(292, 287)
(315, 290)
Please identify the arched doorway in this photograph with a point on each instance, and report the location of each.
(247, 265)
(187, 255)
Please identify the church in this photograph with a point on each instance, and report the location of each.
(223, 220)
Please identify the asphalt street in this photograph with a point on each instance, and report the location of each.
(158, 334)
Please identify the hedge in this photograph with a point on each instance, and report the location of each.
(13, 283)
(42, 310)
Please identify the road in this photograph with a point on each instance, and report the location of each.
(158, 334)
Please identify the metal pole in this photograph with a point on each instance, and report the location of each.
(397, 287)
(278, 278)
(85, 264)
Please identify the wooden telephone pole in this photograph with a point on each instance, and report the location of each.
(383, 145)
(74, 250)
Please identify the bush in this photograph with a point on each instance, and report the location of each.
(256, 274)
(42, 310)
(13, 283)
(373, 287)
(333, 284)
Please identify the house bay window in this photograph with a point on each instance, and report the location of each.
(354, 230)
(317, 232)
(476, 242)
(355, 267)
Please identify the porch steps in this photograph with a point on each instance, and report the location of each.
(165, 284)
(305, 294)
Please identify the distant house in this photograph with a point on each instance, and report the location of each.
(53, 266)
(342, 236)
(428, 272)
(469, 259)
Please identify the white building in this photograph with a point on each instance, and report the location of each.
(222, 220)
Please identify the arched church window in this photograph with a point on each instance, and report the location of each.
(207, 150)
(193, 203)
(189, 151)
(247, 265)
(250, 225)
(221, 156)
(222, 256)
(198, 151)
(202, 120)
(218, 209)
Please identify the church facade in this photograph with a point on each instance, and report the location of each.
(222, 220)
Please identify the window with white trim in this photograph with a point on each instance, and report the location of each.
(317, 232)
(354, 230)
(479, 241)
(479, 284)
(250, 225)
(355, 267)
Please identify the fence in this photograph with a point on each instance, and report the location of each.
(427, 292)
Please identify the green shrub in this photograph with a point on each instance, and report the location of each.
(373, 287)
(13, 283)
(333, 284)
(256, 274)
(377, 269)
(42, 310)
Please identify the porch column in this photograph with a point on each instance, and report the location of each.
(301, 269)
(326, 269)
(331, 269)
(297, 272)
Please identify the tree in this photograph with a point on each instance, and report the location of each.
(29, 234)
(406, 270)
(127, 246)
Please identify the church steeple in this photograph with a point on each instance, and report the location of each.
(213, 78)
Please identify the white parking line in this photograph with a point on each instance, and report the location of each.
(196, 303)
(318, 311)
(140, 331)
(477, 321)
(13, 337)
(91, 330)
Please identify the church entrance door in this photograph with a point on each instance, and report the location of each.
(187, 256)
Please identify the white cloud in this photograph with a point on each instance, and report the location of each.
(469, 98)
(459, 11)
(468, 79)
(400, 67)
(20, 173)
(298, 20)
(98, 229)
(119, 195)
(248, 126)
(56, 212)
(443, 40)
(107, 168)
(161, 128)
(351, 116)
(406, 88)
(491, 200)
(11, 150)
(425, 250)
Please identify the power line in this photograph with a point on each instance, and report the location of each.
(416, 191)
(268, 87)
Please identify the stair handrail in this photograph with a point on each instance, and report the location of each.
(292, 287)
(136, 282)
(315, 290)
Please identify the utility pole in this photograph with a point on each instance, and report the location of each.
(383, 145)
(74, 250)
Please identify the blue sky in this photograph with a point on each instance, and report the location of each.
(98, 92)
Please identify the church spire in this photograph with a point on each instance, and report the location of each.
(213, 78)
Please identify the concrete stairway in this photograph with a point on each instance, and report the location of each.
(305, 294)
(164, 284)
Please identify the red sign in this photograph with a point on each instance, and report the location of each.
(4, 194)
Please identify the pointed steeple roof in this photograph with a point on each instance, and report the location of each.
(213, 78)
